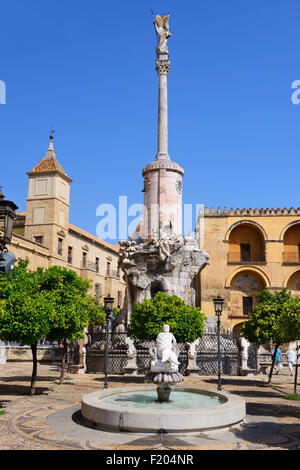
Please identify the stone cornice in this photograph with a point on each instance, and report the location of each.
(163, 165)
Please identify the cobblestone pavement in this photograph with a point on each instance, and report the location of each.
(51, 418)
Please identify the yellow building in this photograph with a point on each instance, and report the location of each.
(44, 235)
(250, 249)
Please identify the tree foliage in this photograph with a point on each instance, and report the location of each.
(26, 311)
(276, 318)
(70, 302)
(146, 321)
(52, 303)
(266, 320)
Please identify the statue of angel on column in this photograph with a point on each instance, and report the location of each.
(162, 33)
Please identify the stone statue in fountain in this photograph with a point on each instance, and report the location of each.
(167, 353)
(164, 366)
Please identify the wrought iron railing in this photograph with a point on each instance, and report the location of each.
(89, 265)
(206, 354)
(237, 258)
(112, 273)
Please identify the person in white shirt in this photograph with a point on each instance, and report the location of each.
(290, 355)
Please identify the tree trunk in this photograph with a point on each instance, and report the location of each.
(63, 363)
(296, 369)
(34, 368)
(273, 362)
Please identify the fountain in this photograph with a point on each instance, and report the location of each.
(146, 409)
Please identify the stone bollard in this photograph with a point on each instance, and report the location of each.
(131, 367)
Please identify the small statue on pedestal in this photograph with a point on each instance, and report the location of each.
(167, 352)
(164, 366)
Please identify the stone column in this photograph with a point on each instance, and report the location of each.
(162, 68)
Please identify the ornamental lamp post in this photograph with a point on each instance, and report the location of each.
(219, 304)
(108, 307)
(7, 217)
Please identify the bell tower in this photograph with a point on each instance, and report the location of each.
(48, 201)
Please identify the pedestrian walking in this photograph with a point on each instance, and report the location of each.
(290, 355)
(278, 362)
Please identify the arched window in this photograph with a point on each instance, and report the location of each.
(291, 243)
(293, 283)
(246, 244)
(243, 289)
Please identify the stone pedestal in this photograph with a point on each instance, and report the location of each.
(192, 369)
(131, 367)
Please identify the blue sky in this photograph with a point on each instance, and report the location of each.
(88, 68)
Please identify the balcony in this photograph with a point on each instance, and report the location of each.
(112, 273)
(236, 258)
(90, 266)
(292, 258)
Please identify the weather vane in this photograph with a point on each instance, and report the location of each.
(51, 130)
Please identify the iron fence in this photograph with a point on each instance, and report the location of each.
(206, 354)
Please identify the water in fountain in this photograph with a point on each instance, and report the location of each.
(180, 400)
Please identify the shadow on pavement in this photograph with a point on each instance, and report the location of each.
(123, 379)
(275, 410)
(271, 434)
(21, 390)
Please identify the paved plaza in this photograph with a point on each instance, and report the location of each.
(51, 419)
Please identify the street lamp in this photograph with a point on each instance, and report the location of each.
(219, 304)
(7, 217)
(108, 307)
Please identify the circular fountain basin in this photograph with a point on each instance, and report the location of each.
(135, 409)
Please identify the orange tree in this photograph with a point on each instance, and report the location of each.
(146, 321)
(26, 312)
(73, 307)
(271, 320)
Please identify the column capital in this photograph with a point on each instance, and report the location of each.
(163, 67)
